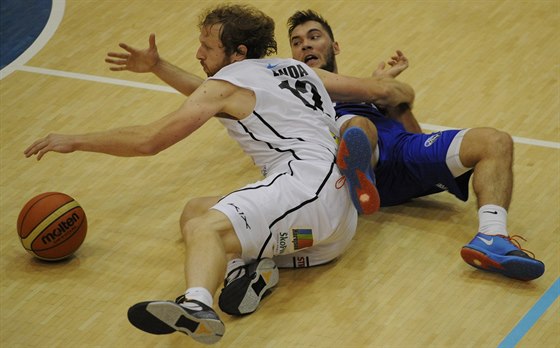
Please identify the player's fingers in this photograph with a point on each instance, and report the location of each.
(152, 41)
(116, 61)
(41, 153)
(35, 148)
(126, 47)
(118, 55)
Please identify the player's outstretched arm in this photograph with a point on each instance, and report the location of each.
(212, 98)
(382, 91)
(149, 60)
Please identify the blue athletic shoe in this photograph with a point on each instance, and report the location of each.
(503, 255)
(354, 160)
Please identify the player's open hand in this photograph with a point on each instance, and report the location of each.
(397, 64)
(133, 59)
(53, 142)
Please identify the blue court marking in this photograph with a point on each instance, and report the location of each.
(534, 314)
(21, 24)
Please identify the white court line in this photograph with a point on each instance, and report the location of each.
(519, 140)
(57, 12)
(101, 79)
(168, 89)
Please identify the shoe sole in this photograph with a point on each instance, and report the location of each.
(354, 160)
(515, 267)
(266, 277)
(165, 317)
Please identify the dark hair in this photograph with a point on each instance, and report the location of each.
(301, 17)
(242, 25)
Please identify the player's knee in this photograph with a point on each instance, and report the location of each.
(192, 228)
(190, 211)
(365, 124)
(504, 142)
(498, 143)
(486, 144)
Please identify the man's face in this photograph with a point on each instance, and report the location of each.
(211, 53)
(311, 44)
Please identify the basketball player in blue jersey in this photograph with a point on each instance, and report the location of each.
(280, 112)
(405, 165)
(408, 165)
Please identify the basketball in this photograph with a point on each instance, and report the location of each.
(52, 226)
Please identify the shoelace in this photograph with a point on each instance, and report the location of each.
(340, 182)
(235, 273)
(180, 299)
(513, 240)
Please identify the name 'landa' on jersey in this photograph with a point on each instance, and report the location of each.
(294, 71)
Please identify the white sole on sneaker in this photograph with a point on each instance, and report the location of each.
(267, 279)
(203, 330)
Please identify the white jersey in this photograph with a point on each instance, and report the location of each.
(293, 118)
(295, 215)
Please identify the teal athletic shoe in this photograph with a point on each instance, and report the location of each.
(502, 254)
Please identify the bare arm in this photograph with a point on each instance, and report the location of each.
(210, 99)
(402, 112)
(382, 91)
(148, 60)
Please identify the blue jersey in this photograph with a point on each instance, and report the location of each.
(410, 164)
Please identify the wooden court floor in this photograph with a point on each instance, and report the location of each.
(402, 283)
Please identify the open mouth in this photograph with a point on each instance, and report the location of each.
(310, 59)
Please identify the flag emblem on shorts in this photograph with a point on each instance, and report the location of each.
(303, 238)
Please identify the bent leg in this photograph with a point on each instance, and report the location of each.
(368, 128)
(355, 159)
(208, 239)
(196, 207)
(490, 153)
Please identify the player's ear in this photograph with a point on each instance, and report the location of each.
(336, 48)
(240, 53)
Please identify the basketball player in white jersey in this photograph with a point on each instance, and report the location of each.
(487, 153)
(281, 115)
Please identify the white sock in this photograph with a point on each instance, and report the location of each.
(200, 294)
(492, 220)
(233, 264)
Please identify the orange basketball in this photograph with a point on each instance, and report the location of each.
(52, 226)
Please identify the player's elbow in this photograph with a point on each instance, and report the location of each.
(150, 147)
(397, 93)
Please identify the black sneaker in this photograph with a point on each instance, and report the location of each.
(243, 294)
(164, 317)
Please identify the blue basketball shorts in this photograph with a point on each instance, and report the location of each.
(413, 165)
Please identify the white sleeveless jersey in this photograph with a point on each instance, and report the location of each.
(293, 118)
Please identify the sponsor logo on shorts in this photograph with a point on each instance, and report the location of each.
(442, 186)
(283, 242)
(242, 215)
(431, 140)
(302, 238)
(301, 261)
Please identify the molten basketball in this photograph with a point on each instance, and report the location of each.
(52, 226)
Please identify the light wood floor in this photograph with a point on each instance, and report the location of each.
(401, 284)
